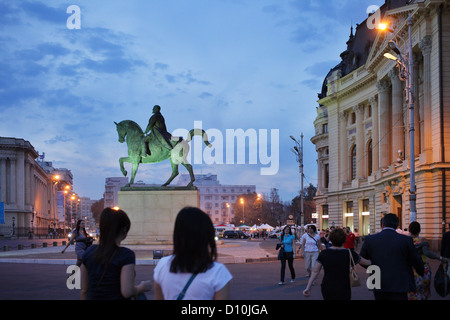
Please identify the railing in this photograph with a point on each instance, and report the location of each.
(32, 233)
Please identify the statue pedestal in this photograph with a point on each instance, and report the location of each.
(153, 211)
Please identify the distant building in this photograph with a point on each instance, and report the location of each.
(85, 211)
(112, 187)
(216, 199)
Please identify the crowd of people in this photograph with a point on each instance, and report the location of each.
(402, 260)
(192, 272)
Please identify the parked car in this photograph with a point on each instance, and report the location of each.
(234, 234)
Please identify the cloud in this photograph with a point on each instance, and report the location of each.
(160, 66)
(45, 13)
(205, 95)
(57, 139)
(111, 65)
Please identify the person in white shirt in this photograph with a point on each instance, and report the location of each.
(310, 247)
(193, 259)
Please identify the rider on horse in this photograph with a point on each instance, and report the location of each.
(157, 126)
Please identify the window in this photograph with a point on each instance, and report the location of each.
(353, 162)
(325, 128)
(349, 207)
(353, 118)
(327, 175)
(369, 158)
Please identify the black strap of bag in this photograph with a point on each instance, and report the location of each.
(182, 293)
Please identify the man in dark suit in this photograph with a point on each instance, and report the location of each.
(396, 257)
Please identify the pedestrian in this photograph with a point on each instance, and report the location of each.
(192, 271)
(357, 237)
(108, 270)
(324, 239)
(336, 264)
(350, 239)
(422, 282)
(395, 256)
(82, 239)
(287, 252)
(310, 247)
(445, 244)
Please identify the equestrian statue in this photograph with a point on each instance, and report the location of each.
(157, 146)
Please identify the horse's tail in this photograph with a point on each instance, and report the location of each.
(199, 132)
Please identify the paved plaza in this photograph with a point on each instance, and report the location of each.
(41, 273)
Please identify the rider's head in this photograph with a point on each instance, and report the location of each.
(156, 109)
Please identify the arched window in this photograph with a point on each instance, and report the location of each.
(353, 162)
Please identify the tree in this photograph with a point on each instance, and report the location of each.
(309, 205)
(97, 208)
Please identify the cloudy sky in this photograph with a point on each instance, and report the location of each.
(255, 65)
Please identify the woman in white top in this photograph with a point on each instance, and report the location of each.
(310, 246)
(194, 254)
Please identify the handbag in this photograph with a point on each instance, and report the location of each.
(441, 280)
(278, 246)
(354, 278)
(88, 241)
(183, 292)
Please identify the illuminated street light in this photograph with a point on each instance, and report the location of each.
(243, 209)
(406, 66)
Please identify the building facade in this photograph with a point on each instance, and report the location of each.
(112, 188)
(362, 125)
(27, 191)
(216, 199)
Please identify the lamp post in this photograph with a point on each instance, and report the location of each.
(298, 151)
(243, 210)
(406, 74)
(56, 179)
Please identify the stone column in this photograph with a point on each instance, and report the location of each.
(425, 46)
(398, 136)
(360, 161)
(12, 181)
(3, 180)
(375, 135)
(20, 180)
(343, 146)
(384, 116)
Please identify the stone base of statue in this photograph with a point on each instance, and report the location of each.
(153, 210)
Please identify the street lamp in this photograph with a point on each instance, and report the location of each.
(406, 74)
(243, 210)
(298, 151)
(56, 179)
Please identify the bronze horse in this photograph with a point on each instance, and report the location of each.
(132, 133)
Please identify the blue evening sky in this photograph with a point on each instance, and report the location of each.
(231, 64)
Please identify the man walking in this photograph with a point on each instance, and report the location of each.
(396, 257)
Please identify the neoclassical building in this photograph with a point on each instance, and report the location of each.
(362, 125)
(27, 190)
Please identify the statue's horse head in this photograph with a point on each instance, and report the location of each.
(121, 130)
